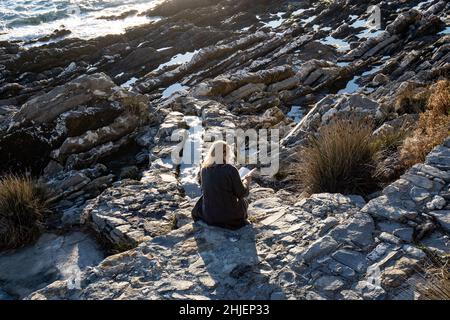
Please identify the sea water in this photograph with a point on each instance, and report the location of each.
(32, 19)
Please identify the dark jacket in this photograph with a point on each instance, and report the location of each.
(222, 203)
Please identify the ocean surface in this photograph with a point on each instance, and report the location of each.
(32, 19)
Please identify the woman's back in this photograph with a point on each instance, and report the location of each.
(223, 197)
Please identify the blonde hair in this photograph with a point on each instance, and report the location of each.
(215, 154)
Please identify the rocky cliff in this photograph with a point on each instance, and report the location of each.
(328, 246)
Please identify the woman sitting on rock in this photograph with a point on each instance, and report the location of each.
(222, 204)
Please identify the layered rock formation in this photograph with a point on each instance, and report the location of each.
(95, 118)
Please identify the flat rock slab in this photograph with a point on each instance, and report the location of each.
(355, 260)
(206, 261)
(443, 218)
(329, 284)
(52, 258)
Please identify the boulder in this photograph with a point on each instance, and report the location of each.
(82, 121)
(443, 218)
(121, 126)
(47, 107)
(403, 21)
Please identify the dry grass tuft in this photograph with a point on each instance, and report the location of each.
(23, 207)
(432, 128)
(437, 284)
(341, 159)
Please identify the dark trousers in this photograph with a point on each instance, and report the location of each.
(198, 210)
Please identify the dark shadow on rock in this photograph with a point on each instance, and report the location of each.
(231, 260)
